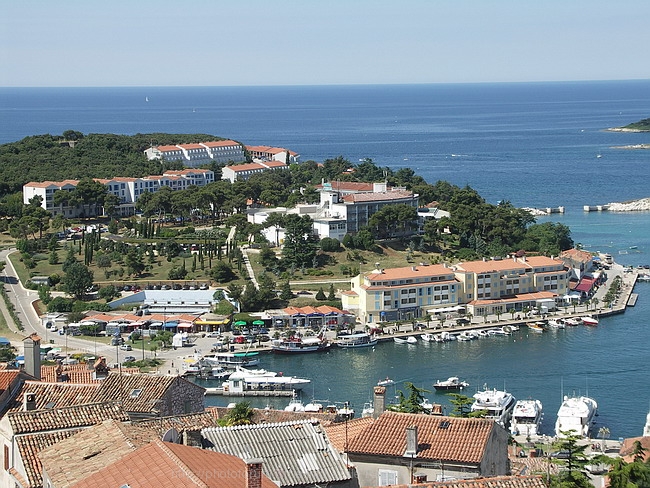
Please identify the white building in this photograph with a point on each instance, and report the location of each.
(127, 190)
(193, 155)
(241, 172)
(268, 153)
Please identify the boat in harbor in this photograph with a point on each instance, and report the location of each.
(576, 414)
(589, 320)
(527, 416)
(233, 359)
(359, 339)
(536, 327)
(300, 345)
(345, 411)
(498, 405)
(405, 340)
(428, 337)
(386, 382)
(556, 324)
(573, 321)
(451, 383)
(243, 382)
(295, 405)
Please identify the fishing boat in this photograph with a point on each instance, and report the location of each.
(526, 417)
(451, 383)
(359, 339)
(300, 345)
(498, 405)
(576, 415)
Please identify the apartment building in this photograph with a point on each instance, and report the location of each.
(127, 190)
(478, 287)
(268, 153)
(194, 155)
(241, 172)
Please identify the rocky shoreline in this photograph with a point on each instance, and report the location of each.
(632, 146)
(641, 205)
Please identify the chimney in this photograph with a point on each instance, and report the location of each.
(254, 473)
(29, 402)
(379, 402)
(32, 347)
(411, 441)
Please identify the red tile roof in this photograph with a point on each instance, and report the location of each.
(158, 463)
(378, 197)
(221, 143)
(29, 447)
(57, 394)
(349, 186)
(7, 377)
(423, 273)
(461, 440)
(341, 432)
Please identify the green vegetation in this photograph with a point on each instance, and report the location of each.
(641, 125)
(164, 244)
(413, 403)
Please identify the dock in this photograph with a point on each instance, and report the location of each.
(250, 393)
(595, 208)
(632, 300)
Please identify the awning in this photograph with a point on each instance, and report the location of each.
(171, 325)
(585, 285)
(185, 325)
(4, 341)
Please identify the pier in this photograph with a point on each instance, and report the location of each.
(250, 393)
(595, 208)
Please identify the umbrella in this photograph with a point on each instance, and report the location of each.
(258, 322)
(240, 323)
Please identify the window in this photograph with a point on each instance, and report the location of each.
(387, 478)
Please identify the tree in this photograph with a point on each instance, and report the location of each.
(134, 262)
(286, 293)
(320, 296)
(462, 405)
(240, 414)
(221, 272)
(575, 460)
(411, 403)
(77, 279)
(300, 243)
(331, 296)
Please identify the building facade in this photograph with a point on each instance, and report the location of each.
(482, 287)
(241, 172)
(194, 155)
(127, 190)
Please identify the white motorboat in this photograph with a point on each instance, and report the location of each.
(407, 340)
(314, 407)
(345, 411)
(556, 324)
(526, 417)
(451, 383)
(589, 320)
(428, 337)
(368, 410)
(576, 414)
(497, 404)
(243, 381)
(464, 336)
(386, 382)
(359, 339)
(298, 345)
(572, 321)
(295, 405)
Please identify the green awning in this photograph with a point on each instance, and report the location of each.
(240, 323)
(258, 322)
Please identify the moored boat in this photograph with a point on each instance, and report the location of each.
(405, 340)
(233, 359)
(498, 405)
(359, 339)
(428, 337)
(589, 320)
(298, 345)
(386, 382)
(536, 327)
(451, 383)
(572, 321)
(526, 417)
(576, 414)
(243, 382)
(556, 324)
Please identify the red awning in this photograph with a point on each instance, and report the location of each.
(585, 285)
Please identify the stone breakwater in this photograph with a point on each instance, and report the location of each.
(642, 205)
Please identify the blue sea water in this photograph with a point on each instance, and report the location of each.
(534, 144)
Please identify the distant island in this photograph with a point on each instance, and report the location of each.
(640, 126)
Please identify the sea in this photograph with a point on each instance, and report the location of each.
(533, 144)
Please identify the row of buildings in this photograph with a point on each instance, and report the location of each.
(85, 426)
(483, 287)
(227, 151)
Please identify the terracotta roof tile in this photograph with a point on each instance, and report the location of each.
(7, 377)
(56, 394)
(341, 432)
(461, 440)
(77, 373)
(29, 447)
(221, 143)
(378, 197)
(64, 418)
(350, 186)
(157, 463)
(423, 273)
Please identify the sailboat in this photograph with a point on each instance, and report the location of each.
(146, 99)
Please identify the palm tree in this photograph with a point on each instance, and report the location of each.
(498, 312)
(512, 312)
(240, 414)
(595, 301)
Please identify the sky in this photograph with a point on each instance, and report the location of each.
(320, 42)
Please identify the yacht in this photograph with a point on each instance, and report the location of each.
(451, 383)
(250, 382)
(232, 359)
(576, 414)
(526, 417)
(497, 403)
(359, 339)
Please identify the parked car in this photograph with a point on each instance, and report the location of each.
(213, 334)
(129, 359)
(240, 339)
(126, 347)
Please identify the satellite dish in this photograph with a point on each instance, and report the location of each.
(171, 435)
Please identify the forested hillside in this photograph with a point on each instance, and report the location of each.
(52, 157)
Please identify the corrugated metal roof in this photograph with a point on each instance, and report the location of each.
(293, 453)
